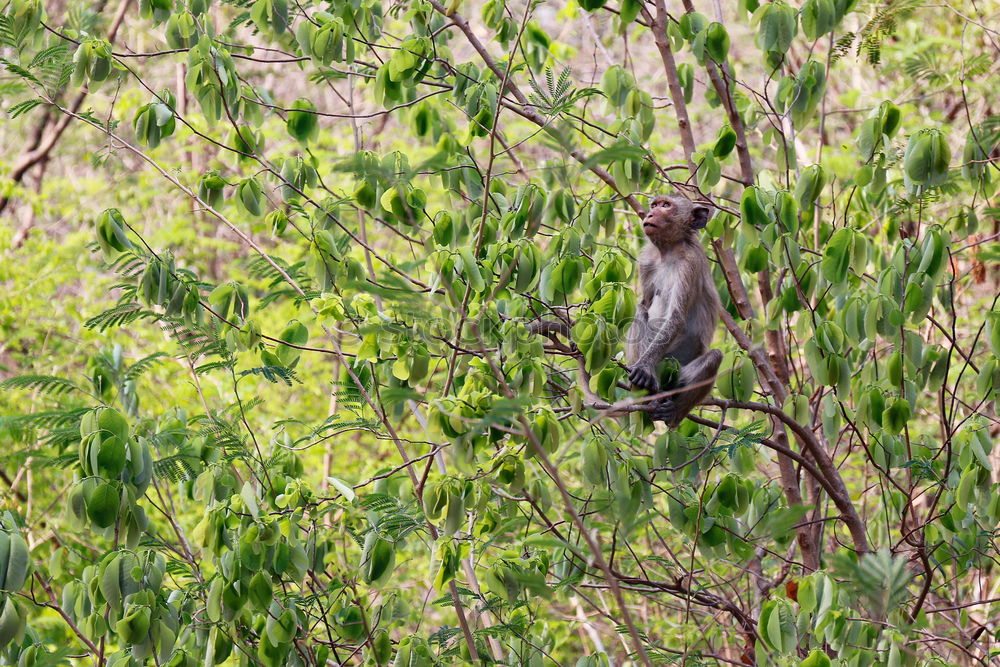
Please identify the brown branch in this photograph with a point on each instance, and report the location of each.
(645, 405)
(523, 108)
(723, 89)
(737, 290)
(776, 368)
(43, 146)
(700, 597)
(54, 605)
(836, 488)
(658, 25)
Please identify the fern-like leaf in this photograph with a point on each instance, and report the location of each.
(118, 316)
(273, 374)
(22, 108)
(45, 384)
(7, 32)
(146, 363)
(52, 419)
(176, 468)
(22, 72)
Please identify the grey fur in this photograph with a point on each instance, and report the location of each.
(679, 308)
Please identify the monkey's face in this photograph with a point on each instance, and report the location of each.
(671, 219)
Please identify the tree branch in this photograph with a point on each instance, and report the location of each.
(45, 143)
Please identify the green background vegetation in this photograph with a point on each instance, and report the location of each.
(268, 393)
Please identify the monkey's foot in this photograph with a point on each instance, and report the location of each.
(643, 379)
(664, 410)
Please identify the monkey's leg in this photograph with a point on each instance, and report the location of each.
(695, 383)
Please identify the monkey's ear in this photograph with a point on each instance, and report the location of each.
(700, 216)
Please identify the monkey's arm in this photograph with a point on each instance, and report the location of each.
(662, 336)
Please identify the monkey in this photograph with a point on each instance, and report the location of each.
(678, 309)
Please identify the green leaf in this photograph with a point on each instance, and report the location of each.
(896, 415)
(717, 42)
(303, 123)
(927, 157)
(281, 624)
(816, 659)
(250, 197)
(103, 504)
(22, 108)
(810, 185)
(837, 256)
(818, 18)
(709, 171)
(377, 560)
(295, 334)
(776, 26)
(777, 626)
(751, 210)
(629, 11)
(725, 142)
(345, 489)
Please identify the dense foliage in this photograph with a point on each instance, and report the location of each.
(269, 397)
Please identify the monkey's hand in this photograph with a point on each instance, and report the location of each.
(643, 377)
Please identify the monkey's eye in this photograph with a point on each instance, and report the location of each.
(668, 204)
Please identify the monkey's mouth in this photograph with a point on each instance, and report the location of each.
(649, 225)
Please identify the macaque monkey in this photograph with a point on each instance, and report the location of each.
(678, 311)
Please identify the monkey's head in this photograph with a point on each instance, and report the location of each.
(672, 219)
